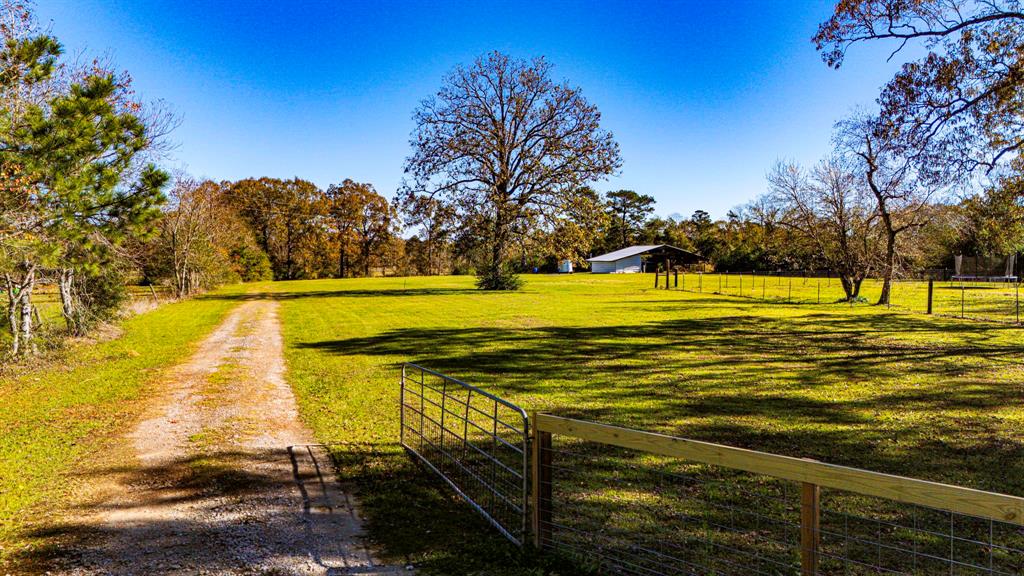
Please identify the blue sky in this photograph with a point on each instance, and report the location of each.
(702, 97)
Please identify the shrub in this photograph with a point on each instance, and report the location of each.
(498, 277)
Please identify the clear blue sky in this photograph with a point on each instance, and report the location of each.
(703, 97)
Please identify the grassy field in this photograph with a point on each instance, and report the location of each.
(930, 397)
(55, 415)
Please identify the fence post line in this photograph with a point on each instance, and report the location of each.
(789, 298)
(700, 282)
(819, 290)
(541, 473)
(1016, 291)
(810, 528)
(931, 290)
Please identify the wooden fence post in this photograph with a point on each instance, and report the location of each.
(676, 279)
(656, 273)
(931, 289)
(810, 528)
(541, 469)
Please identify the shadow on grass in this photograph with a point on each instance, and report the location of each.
(413, 515)
(832, 387)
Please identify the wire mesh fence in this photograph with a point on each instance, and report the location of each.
(623, 510)
(477, 442)
(995, 299)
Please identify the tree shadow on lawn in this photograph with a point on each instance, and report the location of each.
(852, 390)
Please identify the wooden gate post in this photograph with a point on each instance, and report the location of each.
(541, 469)
(931, 288)
(810, 528)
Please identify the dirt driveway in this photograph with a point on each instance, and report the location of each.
(226, 479)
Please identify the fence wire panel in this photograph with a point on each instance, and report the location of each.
(477, 442)
(624, 512)
(864, 535)
(993, 299)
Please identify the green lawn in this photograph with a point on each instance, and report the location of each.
(53, 417)
(929, 397)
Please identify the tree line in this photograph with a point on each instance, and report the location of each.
(501, 178)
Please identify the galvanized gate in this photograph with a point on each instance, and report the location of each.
(477, 442)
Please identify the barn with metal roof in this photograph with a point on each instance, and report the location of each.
(632, 260)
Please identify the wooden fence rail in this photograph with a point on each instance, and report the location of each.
(811, 475)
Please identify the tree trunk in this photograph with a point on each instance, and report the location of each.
(13, 300)
(341, 258)
(68, 304)
(890, 268)
(27, 329)
(19, 310)
(848, 286)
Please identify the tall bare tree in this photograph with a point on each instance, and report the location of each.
(902, 196)
(502, 139)
(829, 209)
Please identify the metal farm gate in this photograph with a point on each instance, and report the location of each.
(477, 442)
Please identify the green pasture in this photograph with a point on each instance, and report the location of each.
(931, 397)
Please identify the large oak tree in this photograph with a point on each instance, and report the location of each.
(506, 143)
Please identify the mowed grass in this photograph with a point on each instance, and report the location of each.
(929, 397)
(54, 417)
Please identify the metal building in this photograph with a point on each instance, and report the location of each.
(641, 258)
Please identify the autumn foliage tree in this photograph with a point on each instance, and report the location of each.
(362, 222)
(504, 142)
(961, 105)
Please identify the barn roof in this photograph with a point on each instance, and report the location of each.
(637, 250)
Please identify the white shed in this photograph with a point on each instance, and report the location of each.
(630, 260)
